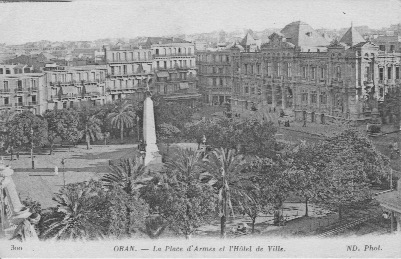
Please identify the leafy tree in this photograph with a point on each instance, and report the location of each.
(167, 133)
(308, 162)
(63, 124)
(249, 201)
(273, 177)
(345, 182)
(122, 117)
(257, 138)
(225, 167)
(185, 206)
(249, 137)
(19, 134)
(174, 113)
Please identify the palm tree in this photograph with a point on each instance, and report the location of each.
(123, 117)
(73, 219)
(186, 164)
(224, 165)
(92, 130)
(128, 174)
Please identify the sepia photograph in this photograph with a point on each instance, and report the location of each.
(188, 128)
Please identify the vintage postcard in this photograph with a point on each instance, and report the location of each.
(215, 128)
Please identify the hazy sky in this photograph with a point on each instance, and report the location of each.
(94, 19)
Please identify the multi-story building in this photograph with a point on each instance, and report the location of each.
(67, 87)
(215, 74)
(165, 65)
(128, 72)
(23, 91)
(299, 69)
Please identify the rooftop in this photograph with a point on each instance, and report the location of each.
(302, 34)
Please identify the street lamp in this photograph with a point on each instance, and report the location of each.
(63, 163)
(137, 126)
(33, 162)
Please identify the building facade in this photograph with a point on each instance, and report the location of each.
(67, 87)
(298, 69)
(24, 91)
(165, 65)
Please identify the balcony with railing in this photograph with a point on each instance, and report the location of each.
(20, 90)
(5, 91)
(5, 105)
(173, 55)
(20, 104)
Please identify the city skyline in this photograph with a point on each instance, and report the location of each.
(91, 20)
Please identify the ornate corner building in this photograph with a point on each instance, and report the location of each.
(299, 69)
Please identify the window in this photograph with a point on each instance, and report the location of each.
(227, 58)
(269, 68)
(252, 90)
(397, 72)
(214, 70)
(304, 72)
(125, 69)
(214, 81)
(251, 69)
(389, 70)
(1, 71)
(246, 89)
(338, 72)
(8, 71)
(392, 48)
(158, 64)
(258, 68)
(381, 93)
(165, 64)
(221, 81)
(246, 69)
(289, 69)
(220, 70)
(314, 97)
(19, 83)
(304, 97)
(382, 47)
(112, 72)
(381, 73)
(323, 98)
(322, 73)
(313, 73)
(6, 86)
(6, 100)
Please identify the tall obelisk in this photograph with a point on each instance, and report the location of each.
(149, 131)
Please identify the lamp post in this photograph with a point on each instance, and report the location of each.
(33, 162)
(63, 163)
(137, 127)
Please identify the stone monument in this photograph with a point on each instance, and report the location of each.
(149, 132)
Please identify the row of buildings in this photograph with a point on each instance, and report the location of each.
(299, 69)
(164, 65)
